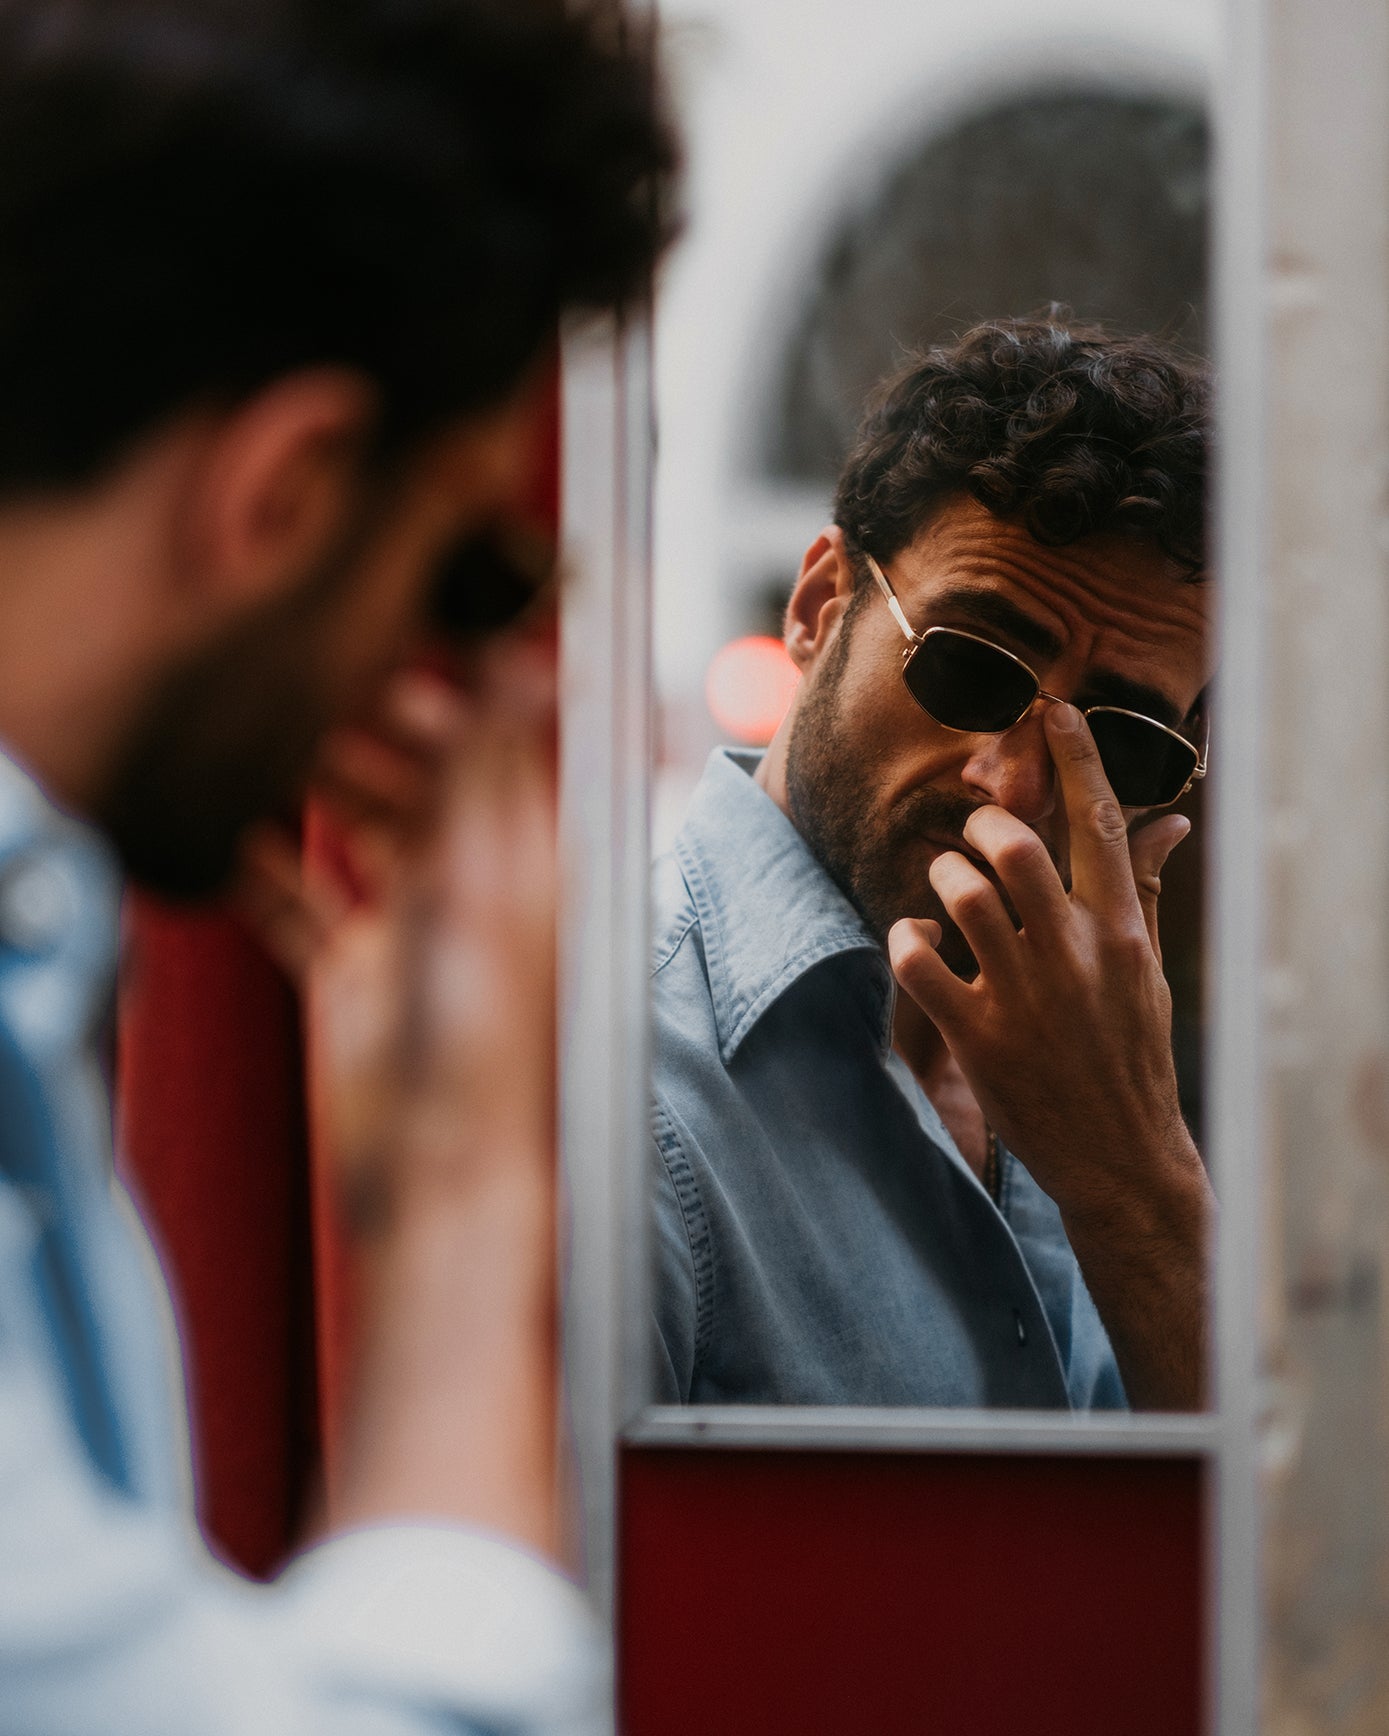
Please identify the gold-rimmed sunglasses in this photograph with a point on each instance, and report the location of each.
(969, 684)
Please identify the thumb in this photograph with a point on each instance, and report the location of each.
(1149, 849)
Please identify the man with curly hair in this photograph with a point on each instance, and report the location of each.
(916, 1116)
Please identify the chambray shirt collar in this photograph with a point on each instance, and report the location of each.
(26, 813)
(59, 915)
(767, 911)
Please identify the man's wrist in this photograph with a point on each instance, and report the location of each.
(457, 1378)
(439, 1166)
(1159, 1195)
(1145, 1250)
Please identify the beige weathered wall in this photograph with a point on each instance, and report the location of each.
(1308, 637)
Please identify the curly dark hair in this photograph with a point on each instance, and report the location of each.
(198, 195)
(1065, 427)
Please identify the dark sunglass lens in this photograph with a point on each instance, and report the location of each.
(966, 684)
(1146, 767)
(486, 584)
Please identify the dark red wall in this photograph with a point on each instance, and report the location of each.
(213, 1141)
(891, 1594)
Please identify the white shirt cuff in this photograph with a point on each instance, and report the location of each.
(432, 1615)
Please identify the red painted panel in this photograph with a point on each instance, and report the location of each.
(833, 1594)
(212, 1133)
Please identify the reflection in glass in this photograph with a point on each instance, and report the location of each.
(1088, 196)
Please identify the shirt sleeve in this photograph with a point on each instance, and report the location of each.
(434, 1617)
(113, 1616)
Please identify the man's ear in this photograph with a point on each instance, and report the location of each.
(274, 484)
(821, 595)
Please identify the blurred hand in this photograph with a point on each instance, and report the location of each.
(427, 951)
(426, 948)
(377, 789)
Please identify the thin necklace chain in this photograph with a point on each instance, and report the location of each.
(993, 1168)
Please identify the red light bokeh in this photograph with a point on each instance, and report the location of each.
(749, 686)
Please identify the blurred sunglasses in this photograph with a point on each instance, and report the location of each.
(969, 684)
(490, 582)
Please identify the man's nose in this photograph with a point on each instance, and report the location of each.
(1015, 769)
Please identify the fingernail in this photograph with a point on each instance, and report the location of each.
(900, 936)
(908, 929)
(1177, 838)
(1064, 716)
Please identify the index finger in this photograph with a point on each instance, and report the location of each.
(1101, 871)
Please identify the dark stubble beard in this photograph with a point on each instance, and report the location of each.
(228, 737)
(879, 860)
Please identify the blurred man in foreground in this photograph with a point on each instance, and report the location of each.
(276, 285)
(980, 1191)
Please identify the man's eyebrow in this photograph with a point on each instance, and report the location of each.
(989, 609)
(1102, 688)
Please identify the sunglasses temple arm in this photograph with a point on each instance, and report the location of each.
(898, 614)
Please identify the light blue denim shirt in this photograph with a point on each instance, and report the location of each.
(820, 1239)
(113, 1617)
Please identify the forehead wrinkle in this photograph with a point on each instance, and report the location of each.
(970, 539)
(993, 609)
(1076, 591)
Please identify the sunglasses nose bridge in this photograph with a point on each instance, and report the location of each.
(1040, 697)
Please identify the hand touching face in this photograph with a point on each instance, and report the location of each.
(1064, 1033)
(879, 789)
(1064, 1037)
